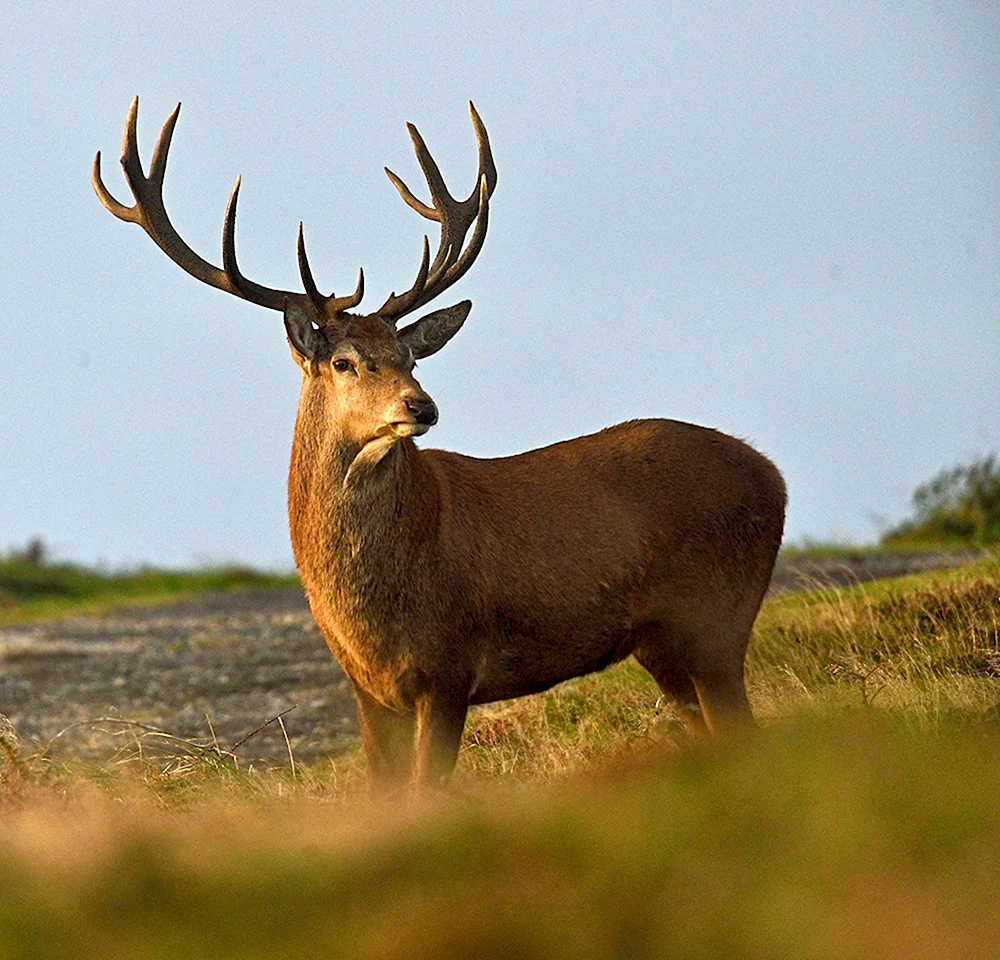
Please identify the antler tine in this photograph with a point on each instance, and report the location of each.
(149, 212)
(307, 278)
(397, 306)
(346, 303)
(103, 194)
(158, 165)
(404, 191)
(455, 216)
(461, 266)
(487, 167)
(330, 306)
(130, 161)
(229, 264)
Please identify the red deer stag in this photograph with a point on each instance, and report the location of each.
(440, 580)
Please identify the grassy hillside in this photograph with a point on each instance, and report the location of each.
(860, 821)
(31, 588)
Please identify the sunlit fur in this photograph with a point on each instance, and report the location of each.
(441, 580)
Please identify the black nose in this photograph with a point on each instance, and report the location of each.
(423, 411)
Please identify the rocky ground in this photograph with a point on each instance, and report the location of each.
(220, 666)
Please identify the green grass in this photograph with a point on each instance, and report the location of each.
(822, 549)
(33, 591)
(926, 647)
(860, 821)
(823, 839)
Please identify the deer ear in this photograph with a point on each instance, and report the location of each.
(303, 336)
(429, 334)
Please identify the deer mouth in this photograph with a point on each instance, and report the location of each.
(409, 429)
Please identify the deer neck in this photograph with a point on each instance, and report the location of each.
(360, 515)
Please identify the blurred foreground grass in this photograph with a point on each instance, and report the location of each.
(815, 839)
(863, 820)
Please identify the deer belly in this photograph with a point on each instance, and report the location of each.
(524, 663)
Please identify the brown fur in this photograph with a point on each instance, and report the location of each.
(441, 580)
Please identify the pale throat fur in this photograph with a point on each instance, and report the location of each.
(363, 518)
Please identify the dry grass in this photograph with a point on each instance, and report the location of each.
(831, 840)
(574, 728)
(859, 822)
(927, 647)
(12, 769)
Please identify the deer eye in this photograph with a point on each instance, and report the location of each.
(341, 365)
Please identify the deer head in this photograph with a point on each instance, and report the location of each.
(363, 362)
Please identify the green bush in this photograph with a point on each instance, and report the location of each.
(958, 507)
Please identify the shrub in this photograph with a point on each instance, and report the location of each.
(959, 506)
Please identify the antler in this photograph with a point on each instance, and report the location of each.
(149, 212)
(455, 216)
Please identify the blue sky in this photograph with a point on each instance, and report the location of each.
(781, 220)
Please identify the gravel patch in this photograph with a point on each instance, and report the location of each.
(802, 573)
(223, 662)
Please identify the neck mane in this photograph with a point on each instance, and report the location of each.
(360, 514)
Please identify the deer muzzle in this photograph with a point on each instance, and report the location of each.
(424, 412)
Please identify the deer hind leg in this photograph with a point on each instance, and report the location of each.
(714, 660)
(703, 677)
(388, 740)
(655, 655)
(722, 693)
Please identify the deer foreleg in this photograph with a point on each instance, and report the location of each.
(388, 739)
(440, 722)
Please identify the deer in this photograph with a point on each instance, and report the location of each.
(441, 581)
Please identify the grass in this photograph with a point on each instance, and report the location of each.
(846, 839)
(833, 549)
(35, 591)
(926, 646)
(860, 821)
